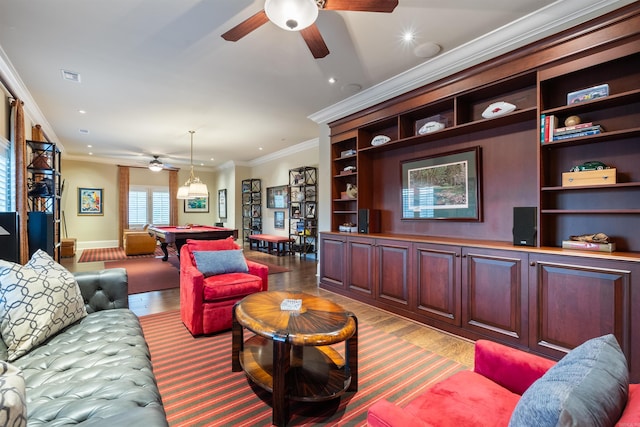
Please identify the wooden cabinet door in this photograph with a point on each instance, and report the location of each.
(333, 263)
(494, 294)
(361, 266)
(574, 299)
(437, 281)
(394, 267)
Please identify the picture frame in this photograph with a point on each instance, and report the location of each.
(444, 186)
(278, 197)
(295, 210)
(310, 209)
(199, 204)
(90, 201)
(278, 219)
(222, 203)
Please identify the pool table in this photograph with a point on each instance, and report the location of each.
(178, 235)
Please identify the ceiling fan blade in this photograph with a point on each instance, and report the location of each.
(246, 26)
(385, 6)
(314, 40)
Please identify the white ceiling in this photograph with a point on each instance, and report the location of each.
(151, 70)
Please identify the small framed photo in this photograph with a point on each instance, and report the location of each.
(90, 201)
(295, 210)
(199, 204)
(222, 203)
(310, 208)
(278, 219)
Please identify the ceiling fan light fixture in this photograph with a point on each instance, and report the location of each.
(155, 165)
(291, 15)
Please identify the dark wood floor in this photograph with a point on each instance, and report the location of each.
(303, 276)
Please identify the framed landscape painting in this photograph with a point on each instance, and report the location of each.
(199, 204)
(445, 186)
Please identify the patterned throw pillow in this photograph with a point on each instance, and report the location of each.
(37, 300)
(13, 408)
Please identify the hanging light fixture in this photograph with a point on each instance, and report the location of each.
(155, 165)
(193, 187)
(291, 15)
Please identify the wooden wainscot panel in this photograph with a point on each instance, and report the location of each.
(393, 272)
(361, 265)
(437, 276)
(494, 294)
(572, 303)
(332, 270)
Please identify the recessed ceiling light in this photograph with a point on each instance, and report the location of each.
(408, 36)
(71, 76)
(82, 112)
(84, 131)
(332, 80)
(90, 153)
(351, 88)
(89, 146)
(212, 159)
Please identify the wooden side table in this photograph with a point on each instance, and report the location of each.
(290, 354)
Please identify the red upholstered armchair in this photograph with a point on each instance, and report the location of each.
(509, 387)
(206, 302)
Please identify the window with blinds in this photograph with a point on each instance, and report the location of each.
(6, 199)
(148, 205)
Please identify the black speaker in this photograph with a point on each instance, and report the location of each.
(9, 237)
(525, 225)
(368, 221)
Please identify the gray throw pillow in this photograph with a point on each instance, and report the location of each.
(13, 407)
(587, 387)
(37, 301)
(212, 263)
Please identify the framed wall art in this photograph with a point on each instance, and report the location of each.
(199, 204)
(278, 219)
(444, 186)
(90, 201)
(278, 197)
(222, 203)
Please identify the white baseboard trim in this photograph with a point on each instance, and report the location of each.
(97, 244)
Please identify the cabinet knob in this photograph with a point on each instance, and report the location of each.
(457, 255)
(532, 263)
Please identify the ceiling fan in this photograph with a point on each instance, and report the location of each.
(300, 15)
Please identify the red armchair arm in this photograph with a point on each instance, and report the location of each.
(261, 271)
(386, 414)
(511, 368)
(191, 293)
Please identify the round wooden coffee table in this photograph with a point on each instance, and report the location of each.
(290, 354)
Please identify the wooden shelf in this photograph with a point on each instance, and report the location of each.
(592, 187)
(590, 211)
(609, 101)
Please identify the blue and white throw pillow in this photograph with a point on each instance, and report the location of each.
(37, 300)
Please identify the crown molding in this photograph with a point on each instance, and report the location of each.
(556, 17)
(10, 78)
(303, 146)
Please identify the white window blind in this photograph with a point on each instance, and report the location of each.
(5, 175)
(160, 204)
(137, 208)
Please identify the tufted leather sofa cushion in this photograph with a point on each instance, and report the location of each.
(97, 370)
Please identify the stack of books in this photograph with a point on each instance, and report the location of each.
(549, 131)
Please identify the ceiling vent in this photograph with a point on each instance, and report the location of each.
(70, 76)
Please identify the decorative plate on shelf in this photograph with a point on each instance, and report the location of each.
(380, 139)
(498, 109)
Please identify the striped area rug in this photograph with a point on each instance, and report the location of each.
(115, 254)
(198, 388)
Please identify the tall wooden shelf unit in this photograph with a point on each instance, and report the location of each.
(251, 208)
(303, 222)
(467, 277)
(44, 195)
